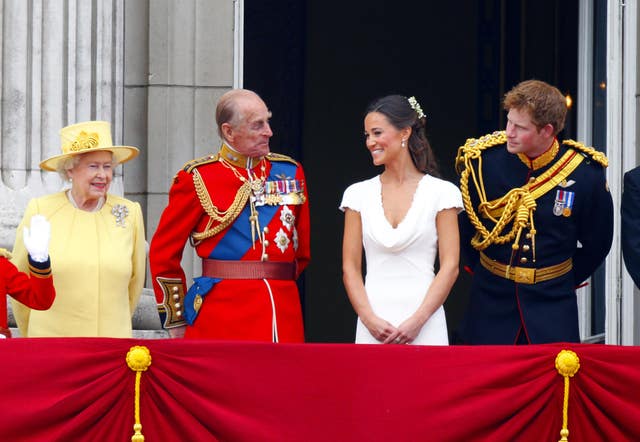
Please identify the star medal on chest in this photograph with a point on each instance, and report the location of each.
(563, 204)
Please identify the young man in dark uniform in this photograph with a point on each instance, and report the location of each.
(538, 221)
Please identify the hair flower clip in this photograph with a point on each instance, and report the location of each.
(416, 107)
(120, 211)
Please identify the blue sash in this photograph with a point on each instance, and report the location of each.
(236, 242)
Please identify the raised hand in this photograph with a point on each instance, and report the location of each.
(36, 238)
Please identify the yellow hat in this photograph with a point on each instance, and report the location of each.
(85, 137)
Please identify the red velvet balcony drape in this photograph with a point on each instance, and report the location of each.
(82, 389)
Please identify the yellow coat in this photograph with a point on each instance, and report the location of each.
(98, 269)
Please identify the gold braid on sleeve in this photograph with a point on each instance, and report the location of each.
(223, 217)
(518, 203)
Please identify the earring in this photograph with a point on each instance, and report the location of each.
(403, 144)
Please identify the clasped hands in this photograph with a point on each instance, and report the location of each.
(386, 333)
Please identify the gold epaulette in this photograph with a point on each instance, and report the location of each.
(280, 157)
(4, 253)
(473, 147)
(189, 166)
(596, 155)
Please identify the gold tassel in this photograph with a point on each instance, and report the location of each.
(138, 360)
(567, 364)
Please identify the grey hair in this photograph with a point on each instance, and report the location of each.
(70, 162)
(229, 109)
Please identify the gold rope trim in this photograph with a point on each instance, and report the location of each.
(224, 218)
(597, 156)
(550, 179)
(567, 364)
(138, 359)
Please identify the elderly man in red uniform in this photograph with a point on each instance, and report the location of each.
(245, 211)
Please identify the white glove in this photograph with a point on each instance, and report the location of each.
(36, 238)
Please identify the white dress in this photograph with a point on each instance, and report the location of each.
(400, 260)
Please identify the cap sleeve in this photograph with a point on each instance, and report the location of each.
(352, 198)
(450, 197)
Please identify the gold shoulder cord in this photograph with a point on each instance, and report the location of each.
(517, 202)
(597, 156)
(224, 217)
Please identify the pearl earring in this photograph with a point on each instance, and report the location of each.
(403, 144)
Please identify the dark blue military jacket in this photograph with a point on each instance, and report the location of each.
(574, 220)
(630, 223)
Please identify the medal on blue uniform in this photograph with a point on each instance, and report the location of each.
(563, 203)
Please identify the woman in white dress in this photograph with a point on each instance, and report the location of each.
(403, 218)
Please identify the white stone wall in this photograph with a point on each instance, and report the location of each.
(153, 68)
(62, 62)
(190, 65)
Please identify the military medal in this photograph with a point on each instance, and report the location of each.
(282, 240)
(257, 184)
(563, 204)
(283, 191)
(256, 187)
(287, 217)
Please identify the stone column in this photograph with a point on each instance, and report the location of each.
(156, 76)
(190, 66)
(62, 62)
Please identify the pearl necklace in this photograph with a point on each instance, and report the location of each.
(74, 204)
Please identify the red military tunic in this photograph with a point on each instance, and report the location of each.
(35, 291)
(208, 204)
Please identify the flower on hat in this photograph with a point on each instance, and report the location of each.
(85, 141)
(416, 106)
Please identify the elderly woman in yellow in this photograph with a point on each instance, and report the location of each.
(97, 241)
